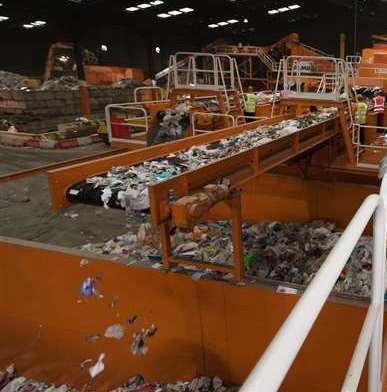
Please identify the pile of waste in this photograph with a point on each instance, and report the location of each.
(366, 92)
(382, 167)
(126, 83)
(199, 384)
(266, 97)
(173, 123)
(127, 187)
(13, 81)
(140, 243)
(11, 382)
(284, 252)
(62, 83)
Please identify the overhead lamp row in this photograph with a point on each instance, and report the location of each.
(144, 6)
(181, 11)
(225, 23)
(283, 9)
(37, 23)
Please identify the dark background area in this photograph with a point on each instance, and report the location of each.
(132, 37)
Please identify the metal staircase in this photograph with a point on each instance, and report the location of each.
(189, 71)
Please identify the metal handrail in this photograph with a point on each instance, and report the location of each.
(311, 48)
(155, 88)
(196, 114)
(238, 118)
(276, 361)
(359, 146)
(353, 59)
(130, 107)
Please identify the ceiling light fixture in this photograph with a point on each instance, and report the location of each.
(3, 18)
(181, 11)
(144, 6)
(186, 9)
(104, 48)
(36, 23)
(225, 23)
(39, 23)
(284, 9)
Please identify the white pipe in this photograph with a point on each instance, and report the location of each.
(352, 378)
(377, 297)
(108, 123)
(274, 364)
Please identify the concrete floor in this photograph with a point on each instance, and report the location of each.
(25, 210)
(13, 159)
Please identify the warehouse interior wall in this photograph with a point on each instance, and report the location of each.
(134, 45)
(27, 51)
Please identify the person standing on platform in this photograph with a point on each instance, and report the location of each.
(379, 102)
(250, 104)
(361, 115)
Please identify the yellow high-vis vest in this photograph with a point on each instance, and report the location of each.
(251, 103)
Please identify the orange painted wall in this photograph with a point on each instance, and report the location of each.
(205, 327)
(271, 197)
(99, 75)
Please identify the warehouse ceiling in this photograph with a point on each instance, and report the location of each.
(250, 14)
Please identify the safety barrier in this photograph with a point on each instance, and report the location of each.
(361, 147)
(353, 59)
(135, 117)
(315, 78)
(204, 71)
(301, 70)
(276, 361)
(157, 90)
(242, 119)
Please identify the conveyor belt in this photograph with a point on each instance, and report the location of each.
(275, 152)
(85, 193)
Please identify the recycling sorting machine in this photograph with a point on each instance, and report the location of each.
(294, 177)
(241, 167)
(194, 78)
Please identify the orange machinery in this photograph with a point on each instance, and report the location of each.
(372, 71)
(202, 320)
(204, 327)
(214, 328)
(251, 58)
(62, 53)
(104, 75)
(131, 132)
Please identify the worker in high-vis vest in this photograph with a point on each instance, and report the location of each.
(250, 104)
(379, 102)
(361, 116)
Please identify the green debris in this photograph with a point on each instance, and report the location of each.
(250, 259)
